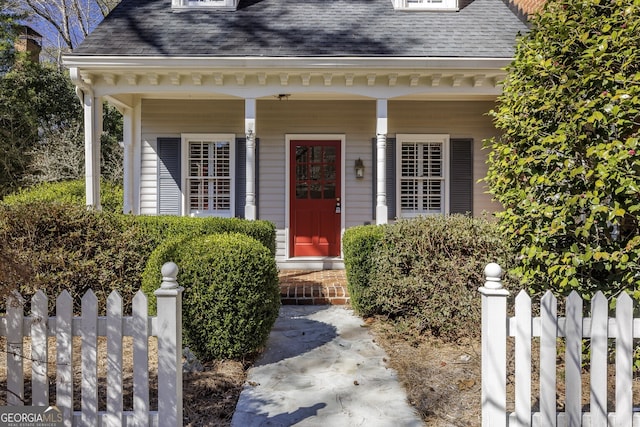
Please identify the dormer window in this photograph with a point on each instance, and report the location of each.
(213, 4)
(451, 5)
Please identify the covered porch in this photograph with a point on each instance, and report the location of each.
(361, 102)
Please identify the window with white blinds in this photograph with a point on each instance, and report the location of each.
(210, 175)
(423, 173)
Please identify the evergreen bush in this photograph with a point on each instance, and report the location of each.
(63, 246)
(231, 298)
(167, 251)
(566, 167)
(51, 241)
(359, 245)
(72, 192)
(165, 227)
(428, 270)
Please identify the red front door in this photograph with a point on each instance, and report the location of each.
(315, 198)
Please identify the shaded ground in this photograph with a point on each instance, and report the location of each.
(209, 396)
(442, 380)
(450, 397)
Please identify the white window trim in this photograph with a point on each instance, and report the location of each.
(446, 5)
(209, 4)
(186, 139)
(444, 139)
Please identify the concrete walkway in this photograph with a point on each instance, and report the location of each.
(322, 368)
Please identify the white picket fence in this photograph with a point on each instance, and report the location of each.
(166, 326)
(573, 328)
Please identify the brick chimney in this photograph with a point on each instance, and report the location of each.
(527, 7)
(29, 41)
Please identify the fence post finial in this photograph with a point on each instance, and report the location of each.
(169, 272)
(169, 307)
(494, 348)
(493, 276)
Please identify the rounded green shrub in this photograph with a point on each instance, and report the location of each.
(167, 251)
(359, 245)
(72, 192)
(231, 298)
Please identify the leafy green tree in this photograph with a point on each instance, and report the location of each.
(567, 167)
(35, 100)
(112, 153)
(8, 33)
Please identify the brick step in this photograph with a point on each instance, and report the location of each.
(302, 287)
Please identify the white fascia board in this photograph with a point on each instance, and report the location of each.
(343, 63)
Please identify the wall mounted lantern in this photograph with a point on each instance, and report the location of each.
(359, 168)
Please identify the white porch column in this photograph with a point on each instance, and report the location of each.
(382, 211)
(250, 211)
(92, 131)
(127, 140)
(136, 156)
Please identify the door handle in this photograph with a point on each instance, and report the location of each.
(338, 206)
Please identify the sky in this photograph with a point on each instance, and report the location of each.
(52, 41)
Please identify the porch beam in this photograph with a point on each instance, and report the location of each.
(119, 103)
(382, 210)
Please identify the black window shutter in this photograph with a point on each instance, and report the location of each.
(391, 176)
(461, 176)
(241, 175)
(169, 176)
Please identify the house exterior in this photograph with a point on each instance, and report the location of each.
(317, 115)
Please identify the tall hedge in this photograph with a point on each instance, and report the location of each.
(53, 247)
(359, 245)
(567, 166)
(163, 227)
(72, 192)
(426, 270)
(49, 240)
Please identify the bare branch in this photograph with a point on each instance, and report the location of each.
(73, 20)
(53, 13)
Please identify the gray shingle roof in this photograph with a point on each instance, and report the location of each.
(306, 28)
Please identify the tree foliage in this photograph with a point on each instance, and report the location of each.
(8, 33)
(567, 167)
(59, 155)
(35, 101)
(41, 123)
